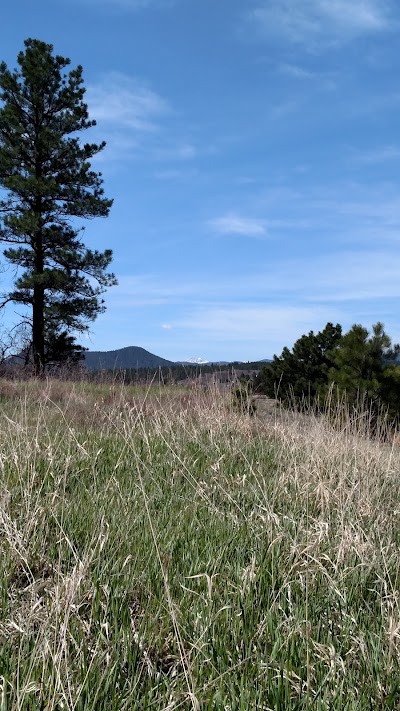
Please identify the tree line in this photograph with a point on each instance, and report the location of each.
(357, 365)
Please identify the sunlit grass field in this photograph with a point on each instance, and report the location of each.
(160, 550)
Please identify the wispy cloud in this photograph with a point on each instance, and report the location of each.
(131, 5)
(152, 290)
(233, 224)
(135, 120)
(124, 102)
(175, 174)
(284, 109)
(312, 21)
(336, 277)
(247, 322)
(372, 156)
(186, 151)
(338, 215)
(326, 80)
(257, 314)
(131, 117)
(294, 70)
(261, 330)
(350, 212)
(180, 151)
(350, 276)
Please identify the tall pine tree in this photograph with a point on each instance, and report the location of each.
(366, 369)
(301, 373)
(47, 179)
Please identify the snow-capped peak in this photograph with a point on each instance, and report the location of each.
(195, 361)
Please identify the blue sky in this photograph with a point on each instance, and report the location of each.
(253, 153)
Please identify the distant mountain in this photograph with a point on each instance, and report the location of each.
(192, 361)
(134, 357)
(201, 361)
(239, 362)
(130, 357)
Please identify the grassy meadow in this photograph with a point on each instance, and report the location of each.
(160, 550)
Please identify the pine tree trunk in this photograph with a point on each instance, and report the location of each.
(38, 310)
(38, 330)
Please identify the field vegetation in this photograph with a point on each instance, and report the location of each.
(161, 549)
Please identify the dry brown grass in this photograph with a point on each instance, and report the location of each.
(158, 543)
